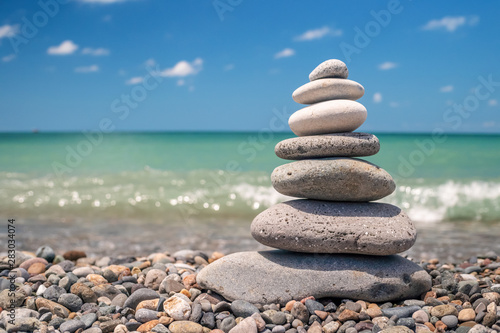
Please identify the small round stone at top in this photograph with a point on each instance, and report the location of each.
(332, 68)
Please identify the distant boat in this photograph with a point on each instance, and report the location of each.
(35, 130)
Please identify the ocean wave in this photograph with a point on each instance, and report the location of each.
(156, 195)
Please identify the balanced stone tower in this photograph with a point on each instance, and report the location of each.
(335, 242)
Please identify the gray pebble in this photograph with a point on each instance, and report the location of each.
(313, 305)
(119, 300)
(53, 293)
(138, 296)
(71, 325)
(356, 307)
(160, 328)
(400, 312)
(56, 322)
(408, 322)
(196, 313)
(227, 324)
(71, 301)
(278, 329)
(208, 320)
(243, 309)
(222, 306)
(450, 321)
(46, 253)
(46, 317)
(132, 326)
(278, 318)
(145, 315)
(88, 319)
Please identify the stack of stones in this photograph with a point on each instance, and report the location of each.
(337, 243)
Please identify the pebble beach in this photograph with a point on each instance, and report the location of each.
(70, 292)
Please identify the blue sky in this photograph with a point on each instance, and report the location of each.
(233, 64)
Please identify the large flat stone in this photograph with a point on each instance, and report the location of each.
(335, 227)
(279, 276)
(350, 144)
(329, 68)
(328, 89)
(333, 179)
(337, 116)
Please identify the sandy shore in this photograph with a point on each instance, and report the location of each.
(446, 241)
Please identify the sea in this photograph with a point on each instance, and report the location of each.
(138, 192)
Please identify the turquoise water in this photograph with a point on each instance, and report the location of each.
(178, 176)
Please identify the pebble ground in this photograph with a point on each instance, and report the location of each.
(158, 293)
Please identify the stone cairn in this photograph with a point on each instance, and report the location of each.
(337, 243)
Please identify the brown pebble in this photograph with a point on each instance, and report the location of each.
(72, 315)
(215, 256)
(489, 319)
(186, 292)
(36, 268)
(96, 279)
(32, 261)
(434, 261)
(144, 265)
(440, 326)
(146, 327)
(150, 304)
(189, 281)
(303, 301)
(456, 302)
(374, 312)
(116, 316)
(348, 315)
(430, 294)
(165, 320)
(466, 315)
(118, 269)
(321, 314)
(74, 255)
(469, 324)
(135, 270)
(289, 305)
(315, 328)
(430, 326)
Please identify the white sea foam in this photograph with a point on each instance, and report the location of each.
(160, 195)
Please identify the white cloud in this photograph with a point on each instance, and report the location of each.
(66, 47)
(181, 82)
(446, 89)
(184, 68)
(95, 52)
(87, 69)
(284, 53)
(377, 97)
(150, 62)
(393, 104)
(9, 57)
(450, 23)
(489, 124)
(8, 30)
(387, 65)
(492, 102)
(107, 18)
(135, 80)
(318, 34)
(229, 67)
